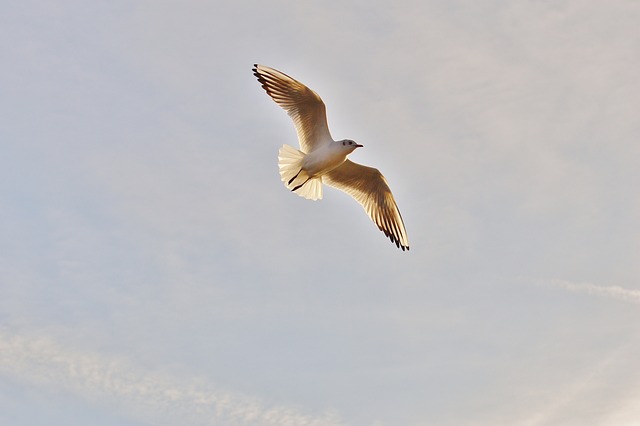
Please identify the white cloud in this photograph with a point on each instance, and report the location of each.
(614, 291)
(148, 395)
(584, 394)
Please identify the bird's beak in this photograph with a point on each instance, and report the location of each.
(359, 146)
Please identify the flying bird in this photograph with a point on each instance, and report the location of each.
(324, 160)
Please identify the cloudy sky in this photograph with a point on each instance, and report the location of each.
(155, 271)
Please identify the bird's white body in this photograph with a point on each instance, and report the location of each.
(322, 159)
(302, 172)
(326, 158)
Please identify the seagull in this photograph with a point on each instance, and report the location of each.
(324, 160)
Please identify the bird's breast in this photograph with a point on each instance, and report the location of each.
(323, 160)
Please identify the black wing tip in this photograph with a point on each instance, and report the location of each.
(260, 79)
(260, 76)
(402, 247)
(394, 239)
(255, 70)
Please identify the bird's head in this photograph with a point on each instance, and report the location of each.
(348, 145)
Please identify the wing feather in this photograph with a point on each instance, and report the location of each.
(303, 105)
(371, 190)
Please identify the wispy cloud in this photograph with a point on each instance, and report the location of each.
(614, 291)
(145, 394)
(577, 395)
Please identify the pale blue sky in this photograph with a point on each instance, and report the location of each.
(155, 271)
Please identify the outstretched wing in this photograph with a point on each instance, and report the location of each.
(370, 189)
(302, 104)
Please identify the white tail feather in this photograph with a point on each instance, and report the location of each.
(290, 164)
